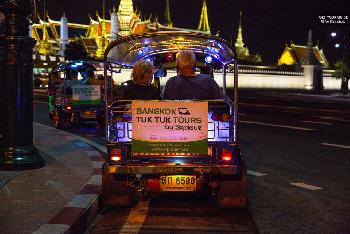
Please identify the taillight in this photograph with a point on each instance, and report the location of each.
(122, 118)
(118, 118)
(169, 57)
(226, 154)
(216, 116)
(225, 117)
(116, 155)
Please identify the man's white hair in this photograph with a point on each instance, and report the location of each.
(185, 59)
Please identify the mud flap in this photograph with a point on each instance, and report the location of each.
(115, 192)
(234, 193)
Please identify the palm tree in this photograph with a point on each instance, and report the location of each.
(342, 68)
(75, 50)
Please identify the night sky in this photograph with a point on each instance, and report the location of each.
(267, 24)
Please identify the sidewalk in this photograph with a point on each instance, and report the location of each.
(61, 197)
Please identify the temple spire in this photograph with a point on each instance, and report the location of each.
(125, 14)
(309, 58)
(239, 41)
(242, 51)
(167, 15)
(204, 22)
(102, 40)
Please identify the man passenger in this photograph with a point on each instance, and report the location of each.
(187, 84)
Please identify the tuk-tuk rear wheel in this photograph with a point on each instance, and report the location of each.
(116, 192)
(101, 119)
(234, 193)
(62, 120)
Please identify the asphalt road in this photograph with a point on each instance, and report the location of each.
(297, 148)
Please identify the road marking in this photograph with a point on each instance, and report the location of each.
(294, 112)
(254, 173)
(295, 108)
(40, 102)
(331, 118)
(335, 145)
(90, 135)
(276, 125)
(316, 122)
(306, 186)
(149, 228)
(140, 216)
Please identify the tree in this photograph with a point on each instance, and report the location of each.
(342, 68)
(75, 50)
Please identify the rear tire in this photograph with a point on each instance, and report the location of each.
(62, 120)
(101, 119)
(115, 192)
(234, 193)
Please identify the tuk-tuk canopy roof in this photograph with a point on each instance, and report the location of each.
(79, 65)
(126, 51)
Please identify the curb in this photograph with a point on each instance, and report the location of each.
(79, 213)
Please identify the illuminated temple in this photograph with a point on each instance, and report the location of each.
(53, 36)
(293, 55)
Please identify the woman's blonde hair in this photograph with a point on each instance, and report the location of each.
(141, 72)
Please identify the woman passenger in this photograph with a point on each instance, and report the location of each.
(140, 87)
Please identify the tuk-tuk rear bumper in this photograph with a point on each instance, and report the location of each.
(214, 170)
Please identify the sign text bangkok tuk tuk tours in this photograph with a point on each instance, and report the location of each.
(172, 146)
(75, 93)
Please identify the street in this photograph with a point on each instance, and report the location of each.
(297, 149)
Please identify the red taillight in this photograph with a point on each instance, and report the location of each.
(225, 117)
(169, 57)
(118, 118)
(116, 155)
(220, 117)
(226, 155)
(216, 117)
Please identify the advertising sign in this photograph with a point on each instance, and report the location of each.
(86, 94)
(162, 127)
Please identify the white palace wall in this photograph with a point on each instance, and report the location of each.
(266, 80)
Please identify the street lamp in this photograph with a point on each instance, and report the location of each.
(16, 88)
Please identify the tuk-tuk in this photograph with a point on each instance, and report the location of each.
(172, 146)
(75, 93)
